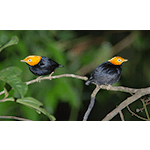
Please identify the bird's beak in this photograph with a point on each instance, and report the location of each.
(125, 60)
(22, 60)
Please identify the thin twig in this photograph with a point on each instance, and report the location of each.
(146, 103)
(145, 109)
(125, 103)
(93, 95)
(58, 76)
(138, 92)
(86, 115)
(121, 115)
(115, 49)
(14, 117)
(111, 88)
(2, 92)
(135, 114)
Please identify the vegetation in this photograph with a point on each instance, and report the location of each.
(80, 52)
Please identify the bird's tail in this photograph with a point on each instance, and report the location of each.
(60, 66)
(87, 82)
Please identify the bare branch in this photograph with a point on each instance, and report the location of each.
(58, 76)
(135, 114)
(2, 92)
(111, 88)
(119, 88)
(93, 95)
(121, 115)
(128, 101)
(137, 93)
(13, 117)
(128, 40)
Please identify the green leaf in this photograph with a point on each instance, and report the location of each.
(17, 85)
(9, 71)
(10, 99)
(9, 75)
(33, 103)
(14, 40)
(29, 101)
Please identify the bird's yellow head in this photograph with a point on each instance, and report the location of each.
(117, 60)
(32, 60)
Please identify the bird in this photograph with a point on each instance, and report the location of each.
(108, 72)
(40, 65)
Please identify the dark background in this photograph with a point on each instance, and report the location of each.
(80, 52)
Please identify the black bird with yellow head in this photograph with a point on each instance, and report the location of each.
(108, 72)
(40, 65)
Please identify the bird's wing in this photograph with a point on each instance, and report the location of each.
(105, 74)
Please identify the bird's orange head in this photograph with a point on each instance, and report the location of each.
(32, 60)
(117, 60)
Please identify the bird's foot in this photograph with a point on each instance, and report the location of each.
(50, 76)
(38, 79)
(108, 87)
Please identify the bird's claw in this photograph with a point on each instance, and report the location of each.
(108, 87)
(50, 76)
(38, 79)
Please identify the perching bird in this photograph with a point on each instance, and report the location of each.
(108, 72)
(40, 65)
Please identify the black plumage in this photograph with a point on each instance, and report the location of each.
(106, 73)
(44, 67)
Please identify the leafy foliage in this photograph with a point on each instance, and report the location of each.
(9, 75)
(14, 40)
(33, 103)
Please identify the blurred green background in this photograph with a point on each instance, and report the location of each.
(80, 52)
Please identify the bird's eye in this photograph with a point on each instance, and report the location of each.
(119, 60)
(29, 60)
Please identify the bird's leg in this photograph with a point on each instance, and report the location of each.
(38, 79)
(50, 76)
